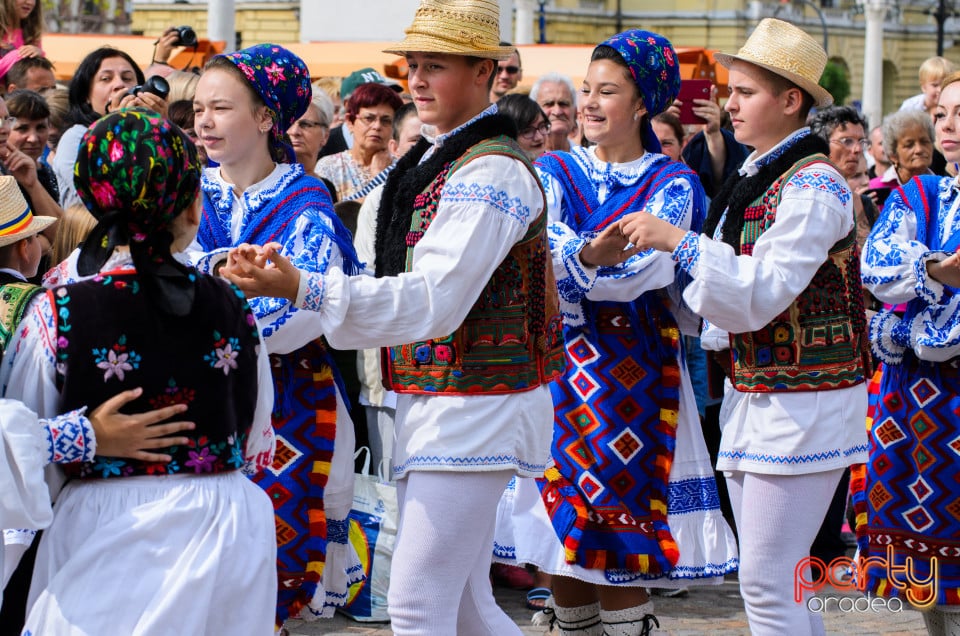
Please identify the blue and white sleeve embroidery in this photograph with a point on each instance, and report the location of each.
(687, 253)
(929, 289)
(935, 332)
(207, 262)
(464, 192)
(70, 438)
(892, 257)
(823, 180)
(310, 294)
(574, 280)
(310, 249)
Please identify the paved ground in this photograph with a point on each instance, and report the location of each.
(717, 611)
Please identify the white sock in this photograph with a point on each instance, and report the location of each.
(583, 620)
(632, 621)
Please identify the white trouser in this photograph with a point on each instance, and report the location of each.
(440, 575)
(778, 517)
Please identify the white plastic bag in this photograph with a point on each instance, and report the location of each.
(373, 531)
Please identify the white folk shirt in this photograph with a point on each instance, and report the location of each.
(792, 432)
(485, 208)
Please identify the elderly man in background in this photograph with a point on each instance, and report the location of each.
(556, 95)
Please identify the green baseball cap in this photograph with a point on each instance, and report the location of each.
(364, 76)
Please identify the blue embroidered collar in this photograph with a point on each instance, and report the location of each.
(256, 196)
(624, 174)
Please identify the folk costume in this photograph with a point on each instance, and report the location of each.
(909, 493)
(461, 250)
(465, 302)
(778, 285)
(625, 400)
(184, 338)
(311, 479)
(28, 444)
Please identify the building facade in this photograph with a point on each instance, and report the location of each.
(910, 31)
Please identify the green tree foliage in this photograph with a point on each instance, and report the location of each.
(836, 80)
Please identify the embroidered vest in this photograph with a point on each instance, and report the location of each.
(819, 342)
(207, 360)
(512, 338)
(14, 299)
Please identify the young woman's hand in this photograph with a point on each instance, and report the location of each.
(135, 436)
(262, 271)
(607, 249)
(648, 231)
(946, 271)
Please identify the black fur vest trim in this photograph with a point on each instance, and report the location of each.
(739, 191)
(411, 177)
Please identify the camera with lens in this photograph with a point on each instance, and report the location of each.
(154, 84)
(186, 36)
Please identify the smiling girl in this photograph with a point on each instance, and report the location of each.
(910, 257)
(614, 534)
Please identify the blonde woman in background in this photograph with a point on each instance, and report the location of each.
(75, 224)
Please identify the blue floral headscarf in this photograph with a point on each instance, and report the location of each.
(655, 70)
(136, 172)
(282, 81)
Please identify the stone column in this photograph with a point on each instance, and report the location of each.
(222, 23)
(875, 11)
(524, 21)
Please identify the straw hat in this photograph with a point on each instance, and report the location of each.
(459, 27)
(16, 219)
(787, 51)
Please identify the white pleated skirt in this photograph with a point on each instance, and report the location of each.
(708, 548)
(157, 555)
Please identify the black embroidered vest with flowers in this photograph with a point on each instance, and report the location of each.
(512, 338)
(819, 342)
(109, 340)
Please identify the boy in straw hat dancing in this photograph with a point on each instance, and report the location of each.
(776, 277)
(465, 304)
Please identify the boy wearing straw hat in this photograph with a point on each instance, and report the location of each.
(776, 277)
(465, 288)
(20, 253)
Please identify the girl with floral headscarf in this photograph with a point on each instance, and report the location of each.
(244, 104)
(135, 316)
(630, 494)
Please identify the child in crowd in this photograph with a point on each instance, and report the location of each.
(932, 72)
(21, 24)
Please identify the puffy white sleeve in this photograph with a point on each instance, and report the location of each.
(485, 208)
(741, 293)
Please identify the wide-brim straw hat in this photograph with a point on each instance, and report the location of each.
(787, 51)
(16, 218)
(457, 27)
